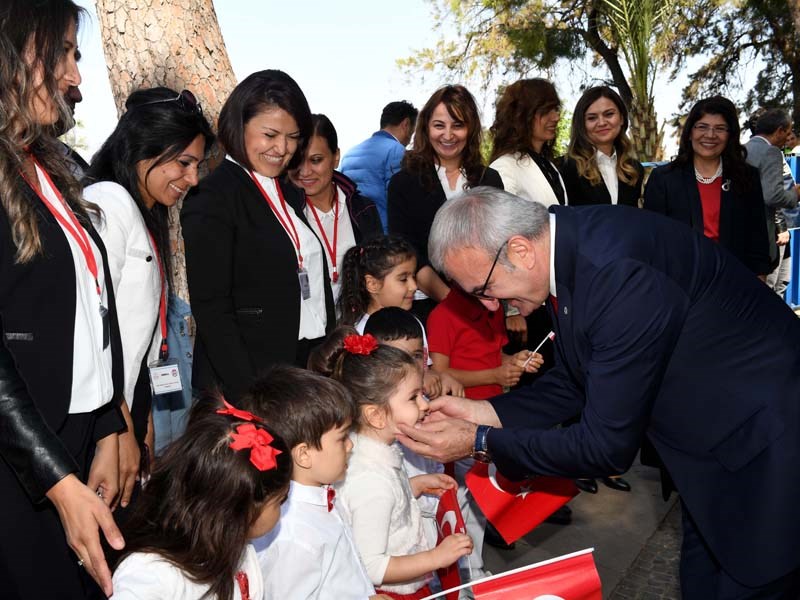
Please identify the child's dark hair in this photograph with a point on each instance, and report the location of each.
(375, 256)
(203, 498)
(300, 405)
(370, 378)
(393, 323)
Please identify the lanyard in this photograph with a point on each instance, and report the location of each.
(72, 226)
(292, 233)
(163, 352)
(331, 251)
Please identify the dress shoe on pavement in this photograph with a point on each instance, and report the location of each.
(617, 483)
(492, 537)
(563, 516)
(587, 485)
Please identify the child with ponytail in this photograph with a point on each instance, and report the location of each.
(216, 487)
(377, 496)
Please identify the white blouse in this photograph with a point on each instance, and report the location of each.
(607, 165)
(135, 275)
(345, 239)
(313, 317)
(376, 499)
(92, 385)
(147, 576)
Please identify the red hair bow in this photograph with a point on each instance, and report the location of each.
(360, 344)
(231, 410)
(262, 455)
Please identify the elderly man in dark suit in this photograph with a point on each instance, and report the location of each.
(659, 333)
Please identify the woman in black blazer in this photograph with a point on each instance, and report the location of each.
(258, 278)
(61, 379)
(711, 188)
(444, 161)
(599, 167)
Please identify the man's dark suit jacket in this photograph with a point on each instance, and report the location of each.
(672, 191)
(242, 270)
(580, 191)
(660, 332)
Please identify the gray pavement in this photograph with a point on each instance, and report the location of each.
(636, 537)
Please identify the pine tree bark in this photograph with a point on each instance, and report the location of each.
(172, 43)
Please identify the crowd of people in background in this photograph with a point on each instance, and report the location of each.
(323, 326)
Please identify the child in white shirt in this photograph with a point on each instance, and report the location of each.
(377, 496)
(311, 553)
(217, 486)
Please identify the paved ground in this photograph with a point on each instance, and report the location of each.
(636, 537)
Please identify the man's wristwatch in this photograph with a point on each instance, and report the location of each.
(480, 451)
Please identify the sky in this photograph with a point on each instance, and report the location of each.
(342, 53)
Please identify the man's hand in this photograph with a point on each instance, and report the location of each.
(444, 440)
(479, 412)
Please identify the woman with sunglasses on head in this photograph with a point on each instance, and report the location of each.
(599, 167)
(444, 161)
(60, 365)
(339, 215)
(711, 188)
(258, 275)
(147, 164)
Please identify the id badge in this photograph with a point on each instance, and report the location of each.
(305, 287)
(165, 377)
(106, 326)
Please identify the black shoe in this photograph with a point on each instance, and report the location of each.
(587, 485)
(563, 516)
(617, 483)
(492, 537)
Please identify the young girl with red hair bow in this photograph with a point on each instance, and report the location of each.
(377, 497)
(218, 486)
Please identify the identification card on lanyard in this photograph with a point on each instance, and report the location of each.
(291, 231)
(165, 376)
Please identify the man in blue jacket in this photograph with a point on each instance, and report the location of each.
(372, 163)
(659, 333)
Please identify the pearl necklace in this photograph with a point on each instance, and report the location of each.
(708, 180)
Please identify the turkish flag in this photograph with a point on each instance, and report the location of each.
(571, 577)
(517, 507)
(449, 520)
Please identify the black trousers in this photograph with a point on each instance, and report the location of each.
(35, 560)
(702, 577)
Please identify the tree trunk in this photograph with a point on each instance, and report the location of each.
(647, 137)
(172, 43)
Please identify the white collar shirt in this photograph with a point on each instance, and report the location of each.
(345, 238)
(92, 385)
(553, 256)
(311, 553)
(461, 182)
(607, 165)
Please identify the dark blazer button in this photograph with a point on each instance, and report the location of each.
(149, 258)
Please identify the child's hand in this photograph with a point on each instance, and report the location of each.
(508, 373)
(432, 483)
(451, 386)
(432, 384)
(530, 361)
(451, 549)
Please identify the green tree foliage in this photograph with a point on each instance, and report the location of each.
(633, 39)
(741, 33)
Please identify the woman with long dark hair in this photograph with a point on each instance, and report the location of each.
(59, 416)
(600, 167)
(258, 276)
(710, 187)
(444, 161)
(148, 163)
(339, 215)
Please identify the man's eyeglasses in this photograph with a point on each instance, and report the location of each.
(481, 293)
(704, 128)
(186, 100)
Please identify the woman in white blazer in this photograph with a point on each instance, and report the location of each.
(147, 164)
(523, 132)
